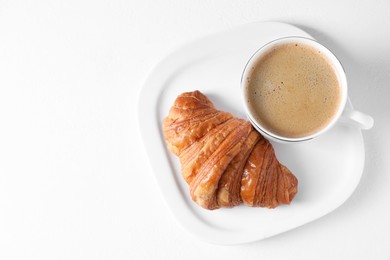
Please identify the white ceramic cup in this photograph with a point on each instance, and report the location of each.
(355, 118)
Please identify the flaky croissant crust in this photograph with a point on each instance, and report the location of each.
(224, 160)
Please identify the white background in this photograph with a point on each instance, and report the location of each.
(75, 182)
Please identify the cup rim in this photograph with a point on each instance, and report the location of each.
(334, 61)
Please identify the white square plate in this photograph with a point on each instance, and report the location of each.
(328, 168)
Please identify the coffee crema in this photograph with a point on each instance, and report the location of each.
(293, 90)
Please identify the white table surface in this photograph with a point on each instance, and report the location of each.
(75, 182)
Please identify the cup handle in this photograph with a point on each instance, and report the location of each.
(357, 118)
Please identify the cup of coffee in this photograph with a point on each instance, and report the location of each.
(295, 89)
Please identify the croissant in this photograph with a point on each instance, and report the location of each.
(224, 160)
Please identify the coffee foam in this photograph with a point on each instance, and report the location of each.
(293, 90)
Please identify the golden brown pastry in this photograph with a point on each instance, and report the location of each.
(224, 160)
